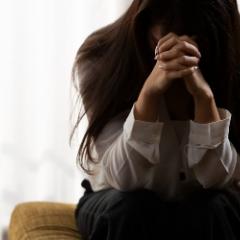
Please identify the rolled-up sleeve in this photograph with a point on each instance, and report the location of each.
(127, 148)
(211, 155)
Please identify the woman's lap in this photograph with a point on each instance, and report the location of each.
(112, 215)
(112, 210)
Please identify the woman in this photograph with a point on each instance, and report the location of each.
(160, 87)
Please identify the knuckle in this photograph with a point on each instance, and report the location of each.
(162, 55)
(196, 60)
(184, 37)
(182, 59)
(175, 38)
(177, 47)
(184, 44)
(177, 53)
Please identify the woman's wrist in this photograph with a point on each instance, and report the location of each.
(206, 110)
(147, 106)
(203, 96)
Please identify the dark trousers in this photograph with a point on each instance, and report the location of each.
(114, 215)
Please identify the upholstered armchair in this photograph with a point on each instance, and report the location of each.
(43, 221)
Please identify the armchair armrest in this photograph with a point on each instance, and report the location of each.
(42, 221)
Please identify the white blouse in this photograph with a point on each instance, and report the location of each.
(172, 158)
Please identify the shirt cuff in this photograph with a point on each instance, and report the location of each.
(210, 134)
(143, 131)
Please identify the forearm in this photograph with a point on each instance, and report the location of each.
(217, 166)
(210, 153)
(127, 156)
(206, 110)
(147, 106)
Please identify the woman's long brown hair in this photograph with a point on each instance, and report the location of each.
(113, 62)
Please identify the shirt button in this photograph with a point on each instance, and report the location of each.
(182, 176)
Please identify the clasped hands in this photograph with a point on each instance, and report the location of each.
(179, 56)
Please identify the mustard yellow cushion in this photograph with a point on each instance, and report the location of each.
(43, 220)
